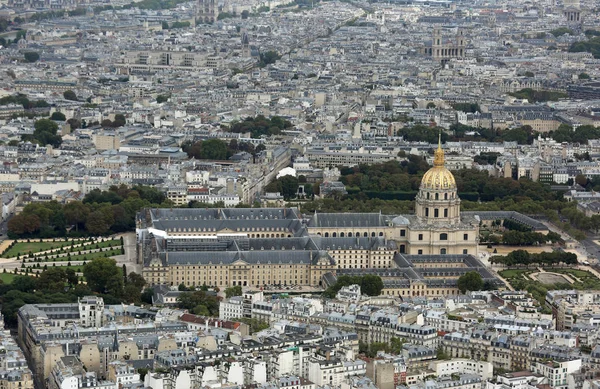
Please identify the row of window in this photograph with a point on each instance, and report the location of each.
(350, 235)
(444, 236)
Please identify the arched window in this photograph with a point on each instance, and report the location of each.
(341, 234)
(366, 234)
(334, 234)
(443, 251)
(349, 235)
(445, 196)
(444, 236)
(373, 234)
(327, 234)
(381, 234)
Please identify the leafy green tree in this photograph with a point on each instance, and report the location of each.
(99, 222)
(245, 14)
(45, 133)
(72, 277)
(31, 56)
(442, 355)
(70, 95)
(59, 116)
(146, 296)
(268, 58)
(289, 186)
(132, 294)
(162, 98)
(136, 279)
(76, 213)
(52, 280)
(233, 291)
(24, 284)
(371, 285)
(103, 275)
(470, 281)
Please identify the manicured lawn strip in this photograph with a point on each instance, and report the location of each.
(80, 257)
(24, 248)
(7, 278)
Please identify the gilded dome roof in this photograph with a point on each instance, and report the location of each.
(438, 177)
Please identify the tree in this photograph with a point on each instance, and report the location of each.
(99, 222)
(213, 149)
(74, 123)
(442, 355)
(245, 14)
(233, 291)
(103, 275)
(136, 279)
(52, 280)
(23, 224)
(76, 213)
(72, 278)
(70, 95)
(31, 56)
(24, 284)
(147, 295)
(289, 186)
(58, 116)
(371, 285)
(470, 281)
(45, 133)
(430, 105)
(162, 99)
(268, 58)
(132, 294)
(119, 121)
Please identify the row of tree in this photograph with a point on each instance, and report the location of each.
(260, 125)
(100, 213)
(217, 149)
(528, 238)
(538, 96)
(523, 257)
(401, 180)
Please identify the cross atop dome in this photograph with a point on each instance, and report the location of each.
(438, 159)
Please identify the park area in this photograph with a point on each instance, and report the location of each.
(538, 281)
(36, 256)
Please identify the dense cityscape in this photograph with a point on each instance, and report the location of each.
(295, 194)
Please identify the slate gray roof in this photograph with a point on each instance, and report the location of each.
(350, 220)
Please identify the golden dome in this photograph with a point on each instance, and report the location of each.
(438, 177)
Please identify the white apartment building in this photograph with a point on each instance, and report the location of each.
(557, 372)
(232, 308)
(463, 366)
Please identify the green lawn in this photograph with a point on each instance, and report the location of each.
(514, 273)
(77, 268)
(79, 257)
(7, 278)
(35, 247)
(24, 248)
